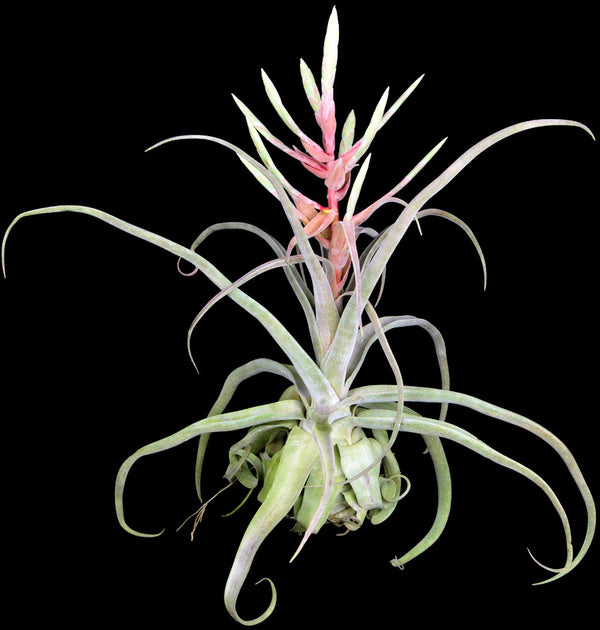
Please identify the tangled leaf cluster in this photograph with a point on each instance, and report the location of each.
(323, 451)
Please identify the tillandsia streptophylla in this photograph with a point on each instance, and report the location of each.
(322, 452)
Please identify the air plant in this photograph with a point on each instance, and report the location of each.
(322, 452)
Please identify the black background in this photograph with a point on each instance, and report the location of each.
(95, 321)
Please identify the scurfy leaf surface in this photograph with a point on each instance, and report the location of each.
(319, 450)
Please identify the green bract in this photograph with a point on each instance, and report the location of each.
(323, 451)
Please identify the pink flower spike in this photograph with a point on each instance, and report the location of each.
(307, 160)
(316, 169)
(330, 54)
(347, 157)
(315, 150)
(318, 224)
(327, 122)
(325, 114)
(336, 177)
(304, 210)
(302, 203)
(339, 252)
(342, 192)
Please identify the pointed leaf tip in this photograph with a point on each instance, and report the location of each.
(394, 108)
(374, 124)
(330, 53)
(310, 85)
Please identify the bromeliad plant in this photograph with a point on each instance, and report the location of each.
(323, 451)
